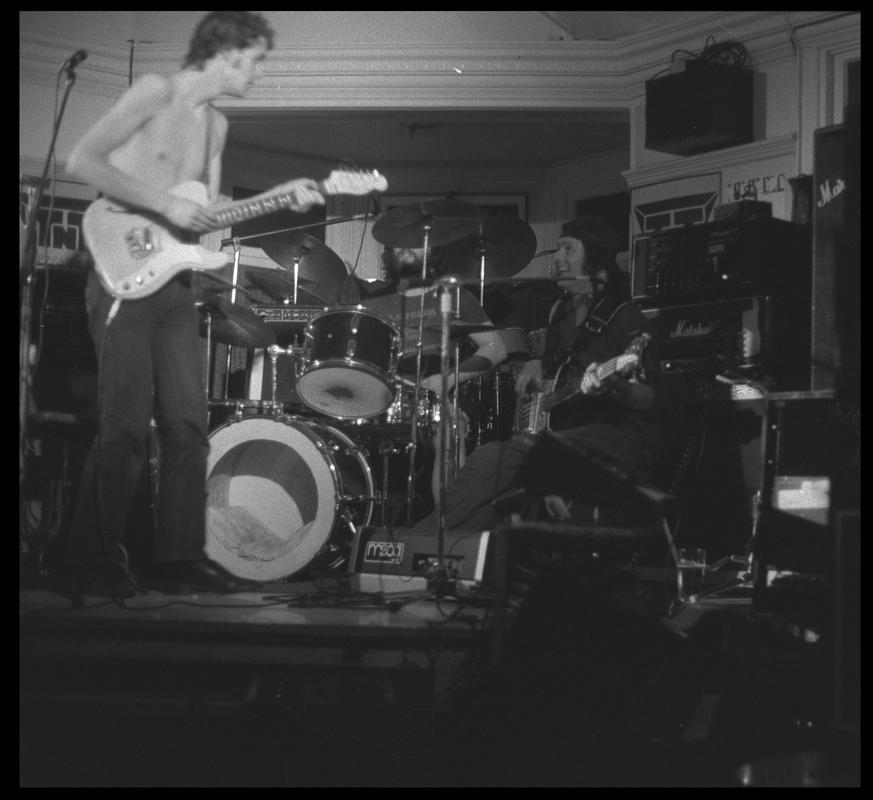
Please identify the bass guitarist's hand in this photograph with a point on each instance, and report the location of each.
(591, 384)
(528, 376)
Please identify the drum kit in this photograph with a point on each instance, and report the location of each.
(291, 478)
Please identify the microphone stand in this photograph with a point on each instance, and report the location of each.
(448, 286)
(413, 445)
(236, 250)
(27, 270)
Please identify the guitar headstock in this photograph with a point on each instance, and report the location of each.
(342, 181)
(638, 344)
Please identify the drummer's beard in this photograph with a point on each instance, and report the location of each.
(408, 264)
(407, 260)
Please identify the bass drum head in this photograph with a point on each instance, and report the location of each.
(275, 492)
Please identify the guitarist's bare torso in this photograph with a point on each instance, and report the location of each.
(175, 144)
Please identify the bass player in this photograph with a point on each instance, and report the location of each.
(597, 355)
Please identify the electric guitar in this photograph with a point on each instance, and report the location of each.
(136, 253)
(532, 413)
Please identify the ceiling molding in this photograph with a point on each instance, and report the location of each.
(707, 162)
(525, 74)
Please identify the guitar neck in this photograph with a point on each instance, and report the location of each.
(258, 206)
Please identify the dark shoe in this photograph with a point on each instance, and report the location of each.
(205, 575)
(108, 580)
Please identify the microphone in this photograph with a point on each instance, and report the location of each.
(546, 252)
(77, 58)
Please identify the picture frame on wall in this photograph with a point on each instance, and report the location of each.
(674, 203)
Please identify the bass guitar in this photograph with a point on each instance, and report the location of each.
(532, 412)
(135, 253)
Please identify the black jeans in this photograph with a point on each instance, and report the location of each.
(492, 468)
(150, 368)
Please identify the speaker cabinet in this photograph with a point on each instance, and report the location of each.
(828, 235)
(65, 370)
(701, 109)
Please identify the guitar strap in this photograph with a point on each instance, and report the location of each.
(602, 314)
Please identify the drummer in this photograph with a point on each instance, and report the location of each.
(404, 310)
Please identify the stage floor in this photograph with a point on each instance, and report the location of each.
(316, 685)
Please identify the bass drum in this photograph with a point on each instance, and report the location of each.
(284, 495)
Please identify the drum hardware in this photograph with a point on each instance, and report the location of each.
(424, 224)
(275, 351)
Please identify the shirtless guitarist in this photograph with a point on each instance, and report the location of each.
(163, 132)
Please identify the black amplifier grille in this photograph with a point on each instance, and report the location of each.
(288, 322)
(706, 338)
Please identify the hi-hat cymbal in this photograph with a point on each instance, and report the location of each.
(508, 244)
(447, 220)
(233, 324)
(317, 264)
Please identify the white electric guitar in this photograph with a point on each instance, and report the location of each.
(136, 253)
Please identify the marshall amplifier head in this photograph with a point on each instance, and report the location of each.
(719, 260)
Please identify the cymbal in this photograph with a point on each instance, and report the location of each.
(448, 220)
(458, 329)
(318, 265)
(280, 287)
(508, 244)
(233, 324)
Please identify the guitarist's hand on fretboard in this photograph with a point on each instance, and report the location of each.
(591, 384)
(528, 377)
(188, 215)
(305, 194)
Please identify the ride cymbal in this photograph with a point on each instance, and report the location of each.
(507, 243)
(447, 220)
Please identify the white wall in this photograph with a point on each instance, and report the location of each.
(402, 59)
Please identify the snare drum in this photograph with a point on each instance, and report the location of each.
(284, 495)
(349, 361)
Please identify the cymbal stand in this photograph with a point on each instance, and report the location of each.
(296, 276)
(207, 378)
(236, 252)
(480, 384)
(275, 351)
(413, 432)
